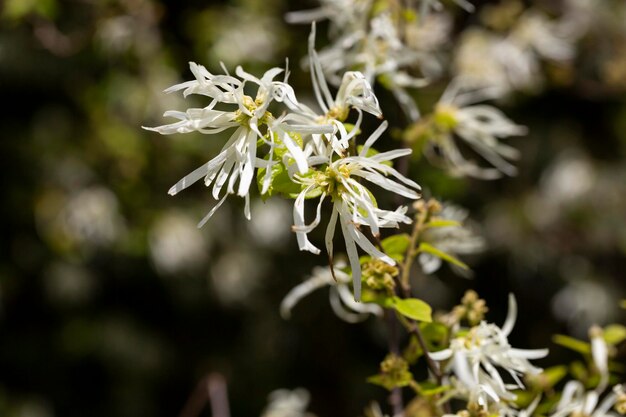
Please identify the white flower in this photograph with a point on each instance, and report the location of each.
(341, 298)
(287, 403)
(454, 240)
(235, 164)
(237, 159)
(355, 92)
(600, 355)
(378, 52)
(475, 357)
(353, 204)
(479, 126)
(427, 5)
(576, 401)
(345, 15)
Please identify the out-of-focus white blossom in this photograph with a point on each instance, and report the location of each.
(237, 273)
(576, 401)
(583, 302)
(454, 240)
(341, 298)
(269, 228)
(287, 403)
(91, 216)
(481, 127)
(512, 61)
(176, 245)
(245, 36)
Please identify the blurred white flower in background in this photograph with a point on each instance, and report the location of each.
(583, 302)
(91, 216)
(176, 244)
(69, 284)
(237, 273)
(269, 228)
(457, 119)
(453, 240)
(245, 36)
(288, 403)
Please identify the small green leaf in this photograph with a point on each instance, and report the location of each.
(614, 334)
(571, 343)
(413, 308)
(551, 376)
(578, 370)
(425, 247)
(438, 222)
(396, 246)
(436, 334)
(428, 389)
(280, 183)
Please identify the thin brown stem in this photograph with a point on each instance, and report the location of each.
(212, 389)
(412, 251)
(395, 398)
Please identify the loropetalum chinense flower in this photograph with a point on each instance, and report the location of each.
(576, 401)
(312, 148)
(480, 127)
(235, 164)
(354, 206)
(475, 356)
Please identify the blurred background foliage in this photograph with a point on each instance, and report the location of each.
(113, 303)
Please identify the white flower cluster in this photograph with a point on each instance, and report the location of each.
(310, 148)
(510, 60)
(399, 48)
(473, 359)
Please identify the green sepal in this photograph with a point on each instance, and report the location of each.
(386, 382)
(428, 389)
(438, 222)
(428, 248)
(552, 376)
(614, 334)
(572, 344)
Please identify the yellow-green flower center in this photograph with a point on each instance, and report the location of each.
(445, 118)
(329, 181)
(251, 105)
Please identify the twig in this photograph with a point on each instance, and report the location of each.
(211, 388)
(395, 398)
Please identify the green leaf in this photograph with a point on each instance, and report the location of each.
(435, 334)
(578, 370)
(413, 308)
(614, 334)
(551, 376)
(386, 382)
(429, 389)
(425, 247)
(396, 246)
(280, 183)
(571, 343)
(438, 222)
